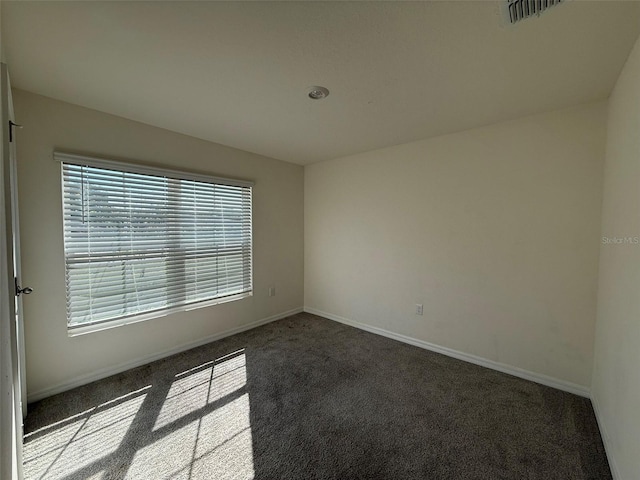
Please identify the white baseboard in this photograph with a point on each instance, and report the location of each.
(112, 370)
(483, 362)
(615, 471)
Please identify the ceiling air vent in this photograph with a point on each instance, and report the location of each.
(521, 9)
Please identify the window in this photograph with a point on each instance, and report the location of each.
(139, 242)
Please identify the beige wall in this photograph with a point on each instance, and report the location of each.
(495, 230)
(2, 59)
(53, 358)
(2, 53)
(616, 376)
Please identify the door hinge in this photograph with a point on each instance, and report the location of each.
(11, 126)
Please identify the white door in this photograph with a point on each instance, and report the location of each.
(20, 289)
(12, 384)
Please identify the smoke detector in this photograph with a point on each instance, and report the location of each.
(318, 93)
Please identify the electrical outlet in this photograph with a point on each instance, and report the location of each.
(272, 291)
(418, 309)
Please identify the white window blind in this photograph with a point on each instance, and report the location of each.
(140, 240)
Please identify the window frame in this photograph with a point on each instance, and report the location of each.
(137, 168)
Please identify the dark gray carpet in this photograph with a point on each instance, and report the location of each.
(308, 398)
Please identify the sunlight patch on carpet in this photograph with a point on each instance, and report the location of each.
(217, 444)
(54, 451)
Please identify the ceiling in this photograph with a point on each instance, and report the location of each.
(238, 73)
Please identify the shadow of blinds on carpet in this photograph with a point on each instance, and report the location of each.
(194, 425)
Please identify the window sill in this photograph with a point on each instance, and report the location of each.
(143, 317)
